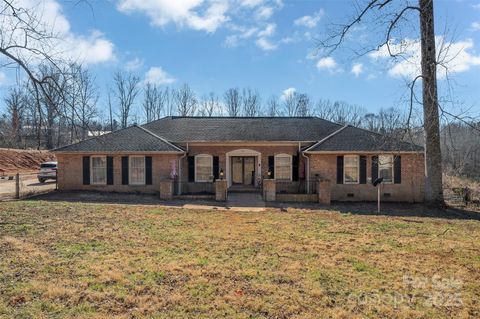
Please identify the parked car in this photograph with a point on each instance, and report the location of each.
(47, 171)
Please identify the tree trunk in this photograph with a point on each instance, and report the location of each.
(433, 158)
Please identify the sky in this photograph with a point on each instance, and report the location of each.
(269, 45)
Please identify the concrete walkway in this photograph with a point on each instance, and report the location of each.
(248, 202)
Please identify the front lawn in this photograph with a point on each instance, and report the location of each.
(60, 259)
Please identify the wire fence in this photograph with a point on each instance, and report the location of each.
(24, 185)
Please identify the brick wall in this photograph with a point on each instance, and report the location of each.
(70, 173)
(411, 188)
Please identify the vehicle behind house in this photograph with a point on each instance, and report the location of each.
(48, 170)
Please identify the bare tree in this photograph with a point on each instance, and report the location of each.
(390, 14)
(185, 100)
(304, 105)
(273, 106)
(251, 103)
(209, 105)
(15, 102)
(290, 104)
(125, 92)
(233, 102)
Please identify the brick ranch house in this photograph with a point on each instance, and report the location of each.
(290, 158)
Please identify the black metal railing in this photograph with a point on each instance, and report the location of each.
(194, 188)
(296, 187)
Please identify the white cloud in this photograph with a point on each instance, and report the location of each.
(156, 75)
(327, 63)
(268, 31)
(195, 14)
(265, 44)
(357, 69)
(454, 56)
(287, 92)
(310, 21)
(476, 6)
(63, 44)
(134, 64)
(251, 3)
(264, 13)
(475, 26)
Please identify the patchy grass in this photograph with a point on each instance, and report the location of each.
(90, 260)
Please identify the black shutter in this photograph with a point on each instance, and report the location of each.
(191, 168)
(124, 170)
(216, 172)
(374, 168)
(340, 169)
(109, 170)
(271, 166)
(148, 170)
(363, 169)
(397, 170)
(295, 160)
(86, 170)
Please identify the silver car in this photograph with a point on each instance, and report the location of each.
(48, 170)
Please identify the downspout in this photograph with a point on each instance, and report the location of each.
(180, 171)
(307, 166)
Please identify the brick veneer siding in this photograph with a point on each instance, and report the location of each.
(411, 188)
(70, 173)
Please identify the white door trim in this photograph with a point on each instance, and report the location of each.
(243, 152)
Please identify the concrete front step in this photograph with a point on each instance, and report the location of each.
(237, 189)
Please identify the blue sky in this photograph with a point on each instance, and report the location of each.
(265, 44)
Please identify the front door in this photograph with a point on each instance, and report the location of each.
(243, 170)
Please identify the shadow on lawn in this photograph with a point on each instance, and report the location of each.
(354, 208)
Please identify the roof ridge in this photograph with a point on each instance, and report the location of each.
(327, 137)
(159, 137)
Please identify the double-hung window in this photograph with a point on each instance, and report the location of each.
(98, 165)
(283, 167)
(351, 169)
(137, 170)
(385, 168)
(203, 168)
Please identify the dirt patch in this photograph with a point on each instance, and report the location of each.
(14, 161)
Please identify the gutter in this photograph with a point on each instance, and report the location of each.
(307, 164)
(180, 170)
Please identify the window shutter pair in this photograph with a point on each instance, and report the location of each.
(86, 170)
(148, 170)
(363, 169)
(271, 166)
(397, 169)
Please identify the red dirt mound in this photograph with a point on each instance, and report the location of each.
(22, 161)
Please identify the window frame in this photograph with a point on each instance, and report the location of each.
(358, 169)
(197, 180)
(91, 170)
(130, 170)
(392, 163)
(290, 170)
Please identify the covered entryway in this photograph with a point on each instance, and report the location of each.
(243, 168)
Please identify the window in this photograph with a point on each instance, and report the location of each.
(137, 170)
(283, 167)
(351, 169)
(385, 168)
(98, 165)
(203, 168)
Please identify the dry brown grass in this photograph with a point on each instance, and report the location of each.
(89, 260)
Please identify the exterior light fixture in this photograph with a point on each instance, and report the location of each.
(221, 173)
(269, 173)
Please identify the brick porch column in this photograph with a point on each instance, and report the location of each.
(323, 187)
(221, 190)
(269, 190)
(166, 189)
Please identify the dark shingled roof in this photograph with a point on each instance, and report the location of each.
(188, 129)
(355, 139)
(131, 139)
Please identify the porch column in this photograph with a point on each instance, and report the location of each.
(269, 190)
(166, 189)
(221, 190)
(323, 187)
